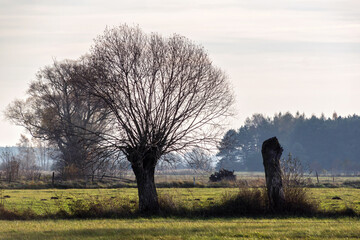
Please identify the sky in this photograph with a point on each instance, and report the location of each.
(279, 55)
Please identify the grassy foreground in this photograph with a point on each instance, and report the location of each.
(41, 201)
(170, 228)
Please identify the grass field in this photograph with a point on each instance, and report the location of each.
(170, 228)
(176, 227)
(40, 200)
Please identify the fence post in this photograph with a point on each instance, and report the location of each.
(317, 177)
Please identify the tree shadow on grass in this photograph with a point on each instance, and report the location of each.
(112, 233)
(164, 229)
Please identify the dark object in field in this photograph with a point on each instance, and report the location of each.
(210, 199)
(271, 152)
(197, 199)
(69, 198)
(6, 196)
(222, 174)
(54, 198)
(336, 198)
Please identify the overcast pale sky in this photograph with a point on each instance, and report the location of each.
(298, 55)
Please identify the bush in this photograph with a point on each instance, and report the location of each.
(7, 214)
(100, 207)
(254, 201)
(294, 182)
(248, 201)
(298, 202)
(170, 205)
(222, 174)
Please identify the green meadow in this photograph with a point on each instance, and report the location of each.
(47, 201)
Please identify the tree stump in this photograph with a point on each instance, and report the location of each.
(271, 153)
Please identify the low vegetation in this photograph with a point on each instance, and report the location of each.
(181, 202)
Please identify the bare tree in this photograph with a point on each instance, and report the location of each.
(10, 165)
(42, 153)
(293, 172)
(167, 163)
(164, 93)
(199, 161)
(27, 158)
(58, 112)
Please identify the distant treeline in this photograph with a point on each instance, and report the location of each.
(331, 144)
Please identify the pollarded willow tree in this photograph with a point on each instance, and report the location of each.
(164, 93)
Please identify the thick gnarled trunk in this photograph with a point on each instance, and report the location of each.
(143, 164)
(271, 153)
(148, 199)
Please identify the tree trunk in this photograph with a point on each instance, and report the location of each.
(148, 199)
(271, 153)
(143, 166)
(317, 177)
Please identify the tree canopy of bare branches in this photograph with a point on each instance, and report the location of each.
(164, 94)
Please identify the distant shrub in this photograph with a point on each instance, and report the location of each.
(179, 184)
(354, 184)
(221, 175)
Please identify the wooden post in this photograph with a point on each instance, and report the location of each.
(271, 153)
(317, 177)
(53, 179)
